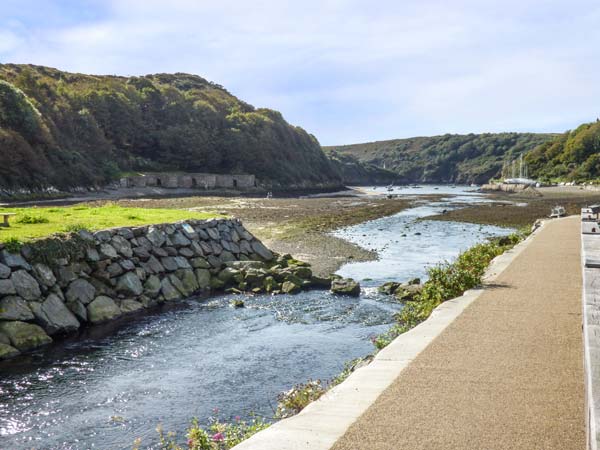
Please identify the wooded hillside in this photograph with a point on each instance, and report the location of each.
(64, 129)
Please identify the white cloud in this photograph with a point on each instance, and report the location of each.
(348, 70)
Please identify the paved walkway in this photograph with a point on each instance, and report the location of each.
(506, 374)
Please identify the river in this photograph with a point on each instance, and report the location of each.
(105, 391)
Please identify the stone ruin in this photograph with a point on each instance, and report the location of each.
(190, 181)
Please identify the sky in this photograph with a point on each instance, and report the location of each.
(347, 71)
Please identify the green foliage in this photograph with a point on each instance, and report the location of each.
(13, 245)
(572, 156)
(447, 281)
(450, 158)
(67, 130)
(29, 219)
(291, 402)
(218, 435)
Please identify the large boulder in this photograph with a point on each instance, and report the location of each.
(262, 251)
(129, 306)
(15, 308)
(152, 286)
(168, 291)
(81, 290)
(203, 278)
(291, 287)
(26, 286)
(345, 286)
(54, 316)
(44, 274)
(130, 284)
(24, 336)
(388, 288)
(4, 271)
(102, 309)
(7, 287)
(408, 292)
(14, 260)
(7, 351)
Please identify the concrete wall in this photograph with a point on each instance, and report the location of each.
(189, 181)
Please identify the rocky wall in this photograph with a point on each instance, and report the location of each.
(61, 284)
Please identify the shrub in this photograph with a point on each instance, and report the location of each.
(75, 227)
(30, 219)
(13, 245)
(296, 399)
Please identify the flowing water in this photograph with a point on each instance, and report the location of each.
(104, 392)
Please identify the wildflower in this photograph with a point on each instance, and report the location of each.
(218, 437)
(237, 418)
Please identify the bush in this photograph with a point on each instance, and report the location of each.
(296, 399)
(30, 219)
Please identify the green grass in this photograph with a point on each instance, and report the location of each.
(32, 223)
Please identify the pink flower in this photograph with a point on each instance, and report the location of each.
(190, 443)
(218, 437)
(238, 418)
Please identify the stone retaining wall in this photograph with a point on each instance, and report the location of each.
(57, 285)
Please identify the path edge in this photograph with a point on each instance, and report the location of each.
(323, 422)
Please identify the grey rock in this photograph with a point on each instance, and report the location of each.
(206, 248)
(122, 246)
(114, 270)
(125, 232)
(8, 351)
(26, 286)
(152, 266)
(81, 290)
(4, 271)
(345, 286)
(171, 251)
(199, 263)
(144, 242)
(202, 234)
(103, 235)
(216, 248)
(289, 287)
(156, 236)
(197, 249)
(245, 247)
(182, 263)
(129, 306)
(142, 253)
(130, 284)
(44, 274)
(203, 278)
(213, 233)
(86, 235)
(14, 260)
(54, 316)
(178, 284)
(159, 252)
(79, 309)
(102, 309)
(152, 286)
(169, 263)
(7, 287)
(15, 308)
(107, 251)
(127, 265)
(168, 291)
(179, 240)
(262, 251)
(64, 275)
(214, 261)
(235, 237)
(245, 265)
(186, 252)
(226, 257)
(24, 336)
(189, 281)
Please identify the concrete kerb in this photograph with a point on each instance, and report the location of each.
(324, 421)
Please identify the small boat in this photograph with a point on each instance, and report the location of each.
(558, 211)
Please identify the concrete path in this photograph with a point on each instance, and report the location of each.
(506, 374)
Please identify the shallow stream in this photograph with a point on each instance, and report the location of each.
(169, 367)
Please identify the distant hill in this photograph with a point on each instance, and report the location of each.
(450, 158)
(69, 130)
(574, 155)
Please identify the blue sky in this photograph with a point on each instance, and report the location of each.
(347, 71)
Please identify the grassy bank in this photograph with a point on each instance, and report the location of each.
(32, 223)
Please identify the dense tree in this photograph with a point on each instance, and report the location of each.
(64, 129)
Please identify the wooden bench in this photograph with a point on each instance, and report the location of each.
(6, 216)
